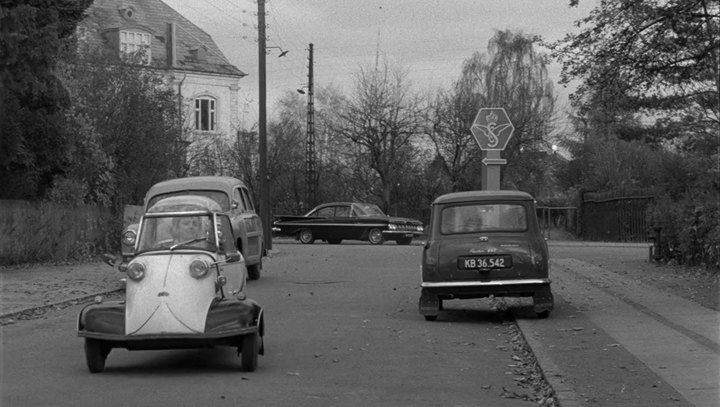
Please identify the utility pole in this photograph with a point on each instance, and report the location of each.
(262, 127)
(310, 176)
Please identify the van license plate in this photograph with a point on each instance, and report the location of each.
(484, 262)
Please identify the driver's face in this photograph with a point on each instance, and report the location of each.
(188, 228)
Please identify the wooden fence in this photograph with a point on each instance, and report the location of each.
(32, 232)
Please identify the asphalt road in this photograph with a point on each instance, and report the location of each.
(342, 329)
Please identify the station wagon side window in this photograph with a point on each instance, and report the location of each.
(237, 197)
(227, 239)
(248, 199)
(483, 218)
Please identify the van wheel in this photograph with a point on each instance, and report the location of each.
(96, 352)
(306, 236)
(375, 236)
(249, 351)
(543, 314)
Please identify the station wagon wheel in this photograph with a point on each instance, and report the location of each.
(95, 354)
(375, 236)
(254, 270)
(306, 236)
(249, 351)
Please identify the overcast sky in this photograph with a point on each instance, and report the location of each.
(429, 38)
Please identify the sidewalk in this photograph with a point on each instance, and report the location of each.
(35, 287)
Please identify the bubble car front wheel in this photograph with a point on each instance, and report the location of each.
(250, 350)
(96, 352)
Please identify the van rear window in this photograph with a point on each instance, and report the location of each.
(483, 218)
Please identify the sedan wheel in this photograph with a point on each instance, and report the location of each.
(306, 236)
(375, 236)
(404, 240)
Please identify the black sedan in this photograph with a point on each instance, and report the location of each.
(338, 221)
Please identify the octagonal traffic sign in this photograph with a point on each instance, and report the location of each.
(492, 128)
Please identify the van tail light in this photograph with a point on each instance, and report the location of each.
(538, 260)
(430, 258)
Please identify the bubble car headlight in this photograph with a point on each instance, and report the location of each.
(198, 269)
(136, 271)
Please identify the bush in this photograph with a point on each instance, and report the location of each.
(689, 228)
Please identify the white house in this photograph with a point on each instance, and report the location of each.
(206, 80)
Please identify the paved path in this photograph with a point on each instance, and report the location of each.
(675, 339)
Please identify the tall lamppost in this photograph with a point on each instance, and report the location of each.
(262, 130)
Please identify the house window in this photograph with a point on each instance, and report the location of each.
(133, 41)
(205, 114)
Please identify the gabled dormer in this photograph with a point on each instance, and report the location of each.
(132, 42)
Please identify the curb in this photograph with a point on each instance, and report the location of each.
(564, 394)
(74, 300)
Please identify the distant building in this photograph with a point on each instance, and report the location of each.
(206, 80)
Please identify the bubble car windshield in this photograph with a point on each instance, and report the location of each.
(177, 231)
(483, 218)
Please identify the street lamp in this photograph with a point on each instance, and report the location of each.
(282, 53)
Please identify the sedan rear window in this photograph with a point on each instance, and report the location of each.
(483, 218)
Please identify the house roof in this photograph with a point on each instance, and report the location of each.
(153, 15)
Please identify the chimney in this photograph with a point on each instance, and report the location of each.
(171, 44)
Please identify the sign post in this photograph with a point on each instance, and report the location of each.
(492, 130)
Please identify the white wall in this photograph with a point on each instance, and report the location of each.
(224, 89)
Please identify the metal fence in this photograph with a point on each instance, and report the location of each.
(616, 217)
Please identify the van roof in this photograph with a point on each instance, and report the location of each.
(466, 196)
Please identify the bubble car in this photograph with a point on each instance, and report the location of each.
(185, 288)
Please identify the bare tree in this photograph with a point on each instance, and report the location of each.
(382, 118)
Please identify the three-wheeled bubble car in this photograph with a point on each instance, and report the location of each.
(185, 288)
